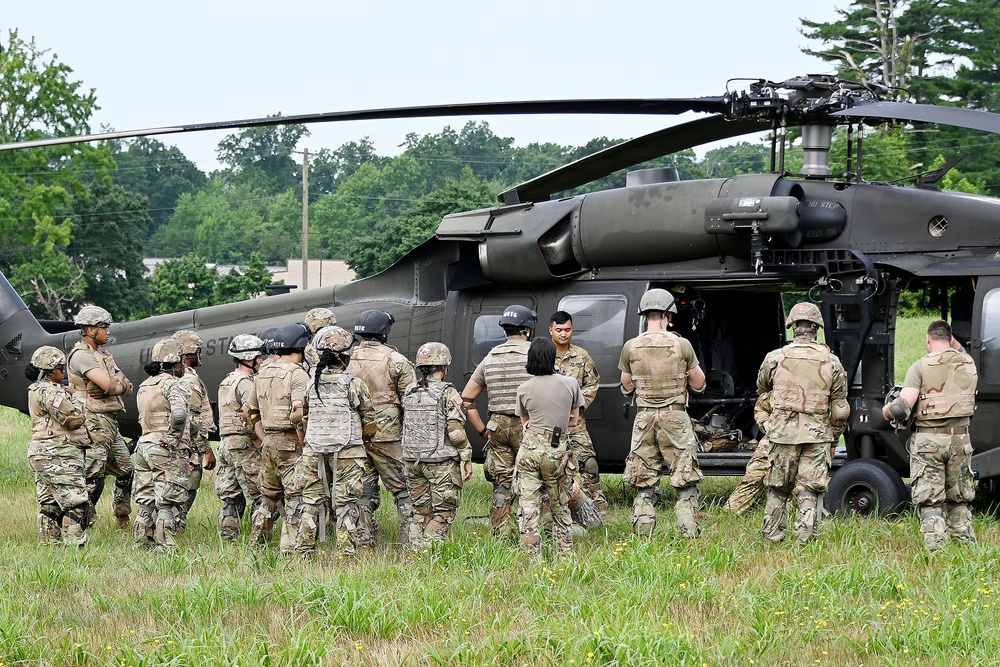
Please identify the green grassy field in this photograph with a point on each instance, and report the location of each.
(865, 594)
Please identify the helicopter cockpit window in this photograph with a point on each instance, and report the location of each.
(486, 334)
(989, 365)
(599, 328)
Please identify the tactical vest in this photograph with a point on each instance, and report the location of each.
(154, 408)
(425, 427)
(504, 372)
(274, 395)
(231, 420)
(372, 364)
(42, 398)
(96, 399)
(659, 370)
(802, 379)
(948, 387)
(333, 423)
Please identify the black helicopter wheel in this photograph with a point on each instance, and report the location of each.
(867, 487)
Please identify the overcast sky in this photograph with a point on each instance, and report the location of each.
(181, 62)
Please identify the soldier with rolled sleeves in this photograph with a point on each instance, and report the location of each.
(436, 450)
(278, 403)
(162, 456)
(316, 319)
(501, 372)
(202, 421)
(93, 372)
(237, 480)
(808, 411)
(575, 362)
(387, 374)
(659, 367)
(55, 453)
(939, 392)
(339, 415)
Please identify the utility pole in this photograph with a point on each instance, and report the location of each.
(305, 217)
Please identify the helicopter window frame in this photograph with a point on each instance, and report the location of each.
(605, 346)
(989, 356)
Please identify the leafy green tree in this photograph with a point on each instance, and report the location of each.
(247, 282)
(740, 158)
(162, 174)
(261, 157)
(109, 222)
(183, 284)
(49, 282)
(329, 169)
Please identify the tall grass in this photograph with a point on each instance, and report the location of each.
(865, 594)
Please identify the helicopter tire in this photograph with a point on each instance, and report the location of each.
(867, 487)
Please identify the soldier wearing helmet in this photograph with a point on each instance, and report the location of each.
(387, 374)
(316, 319)
(436, 450)
(162, 456)
(939, 392)
(56, 451)
(93, 372)
(500, 373)
(805, 413)
(658, 369)
(236, 479)
(339, 415)
(277, 402)
(201, 422)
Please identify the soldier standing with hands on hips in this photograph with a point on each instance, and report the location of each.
(940, 393)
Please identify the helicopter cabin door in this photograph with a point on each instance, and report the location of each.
(984, 346)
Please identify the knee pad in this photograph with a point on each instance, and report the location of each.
(79, 515)
(688, 493)
(51, 512)
(501, 495)
(650, 493)
(125, 481)
(233, 507)
(585, 512)
(589, 466)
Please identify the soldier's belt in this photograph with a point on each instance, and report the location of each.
(673, 406)
(279, 431)
(550, 435)
(943, 430)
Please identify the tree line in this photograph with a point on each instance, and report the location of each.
(76, 221)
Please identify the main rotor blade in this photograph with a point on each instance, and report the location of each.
(669, 106)
(926, 113)
(629, 153)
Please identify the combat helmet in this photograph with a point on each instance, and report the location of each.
(189, 340)
(804, 311)
(267, 335)
(334, 339)
(657, 299)
(290, 337)
(246, 347)
(518, 316)
(92, 316)
(433, 354)
(167, 351)
(373, 323)
(48, 358)
(317, 318)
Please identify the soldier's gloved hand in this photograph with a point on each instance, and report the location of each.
(369, 430)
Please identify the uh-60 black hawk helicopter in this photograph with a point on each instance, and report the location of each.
(729, 248)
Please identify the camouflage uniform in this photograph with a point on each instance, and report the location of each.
(332, 465)
(55, 455)
(435, 447)
(751, 488)
(807, 386)
(277, 386)
(501, 372)
(162, 472)
(662, 435)
(941, 482)
(577, 363)
(237, 477)
(386, 373)
(200, 411)
(108, 455)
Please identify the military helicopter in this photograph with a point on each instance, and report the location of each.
(729, 248)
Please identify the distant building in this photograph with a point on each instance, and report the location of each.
(322, 272)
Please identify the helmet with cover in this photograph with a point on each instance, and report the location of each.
(804, 311)
(317, 318)
(48, 358)
(374, 323)
(92, 316)
(190, 341)
(657, 299)
(334, 339)
(167, 351)
(246, 347)
(433, 354)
